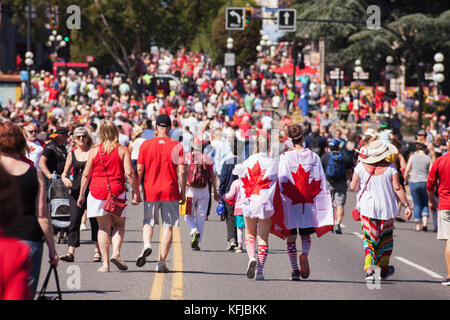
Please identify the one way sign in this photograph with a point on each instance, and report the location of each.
(234, 19)
(287, 19)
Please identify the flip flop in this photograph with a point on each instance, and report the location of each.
(119, 263)
(68, 257)
(97, 257)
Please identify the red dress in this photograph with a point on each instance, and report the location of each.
(14, 269)
(114, 170)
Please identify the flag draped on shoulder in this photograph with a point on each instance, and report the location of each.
(304, 193)
(259, 180)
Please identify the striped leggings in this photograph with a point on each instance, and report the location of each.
(378, 242)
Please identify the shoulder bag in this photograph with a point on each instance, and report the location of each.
(112, 205)
(42, 293)
(355, 213)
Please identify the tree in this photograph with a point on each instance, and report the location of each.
(124, 30)
(425, 29)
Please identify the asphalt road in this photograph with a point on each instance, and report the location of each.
(216, 274)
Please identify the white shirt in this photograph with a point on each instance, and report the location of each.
(135, 145)
(267, 122)
(378, 200)
(35, 152)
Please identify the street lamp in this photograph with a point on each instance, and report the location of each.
(56, 41)
(438, 69)
(28, 62)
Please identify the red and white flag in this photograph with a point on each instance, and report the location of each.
(259, 181)
(304, 193)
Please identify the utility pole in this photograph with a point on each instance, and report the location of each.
(28, 95)
(230, 68)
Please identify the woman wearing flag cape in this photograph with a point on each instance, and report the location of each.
(306, 205)
(259, 180)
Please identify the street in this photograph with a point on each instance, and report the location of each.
(217, 274)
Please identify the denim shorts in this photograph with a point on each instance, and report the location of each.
(36, 252)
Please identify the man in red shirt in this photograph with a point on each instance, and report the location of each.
(440, 176)
(162, 160)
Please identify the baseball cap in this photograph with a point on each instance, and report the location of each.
(421, 132)
(163, 120)
(334, 144)
(59, 131)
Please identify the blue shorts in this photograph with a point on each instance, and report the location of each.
(240, 222)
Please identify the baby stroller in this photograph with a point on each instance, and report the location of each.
(59, 204)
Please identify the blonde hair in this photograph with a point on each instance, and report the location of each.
(108, 135)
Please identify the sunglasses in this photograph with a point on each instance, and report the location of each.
(32, 131)
(81, 137)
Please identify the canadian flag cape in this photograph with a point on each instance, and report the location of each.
(259, 181)
(303, 198)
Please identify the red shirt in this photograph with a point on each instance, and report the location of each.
(160, 158)
(14, 269)
(115, 172)
(440, 175)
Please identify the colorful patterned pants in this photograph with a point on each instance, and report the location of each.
(378, 242)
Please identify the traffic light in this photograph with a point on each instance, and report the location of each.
(53, 17)
(66, 39)
(248, 13)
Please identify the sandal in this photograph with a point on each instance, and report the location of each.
(97, 257)
(103, 269)
(68, 257)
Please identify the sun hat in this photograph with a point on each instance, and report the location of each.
(370, 132)
(376, 151)
(137, 132)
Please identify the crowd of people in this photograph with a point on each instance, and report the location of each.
(212, 136)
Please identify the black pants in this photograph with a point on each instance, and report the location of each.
(231, 222)
(210, 199)
(76, 215)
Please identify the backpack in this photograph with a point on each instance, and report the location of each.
(335, 168)
(198, 172)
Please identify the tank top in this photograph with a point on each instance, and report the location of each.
(78, 168)
(28, 227)
(114, 171)
(420, 165)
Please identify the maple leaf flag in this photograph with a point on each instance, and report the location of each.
(259, 178)
(304, 192)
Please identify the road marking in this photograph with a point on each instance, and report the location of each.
(427, 271)
(158, 281)
(177, 276)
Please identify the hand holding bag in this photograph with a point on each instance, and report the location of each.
(355, 213)
(112, 205)
(42, 293)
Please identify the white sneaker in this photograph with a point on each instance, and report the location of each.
(83, 227)
(161, 267)
(251, 268)
(142, 258)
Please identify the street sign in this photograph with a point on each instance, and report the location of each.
(337, 74)
(229, 59)
(361, 76)
(287, 19)
(23, 75)
(234, 19)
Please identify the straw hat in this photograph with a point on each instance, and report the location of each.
(137, 132)
(376, 151)
(370, 132)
